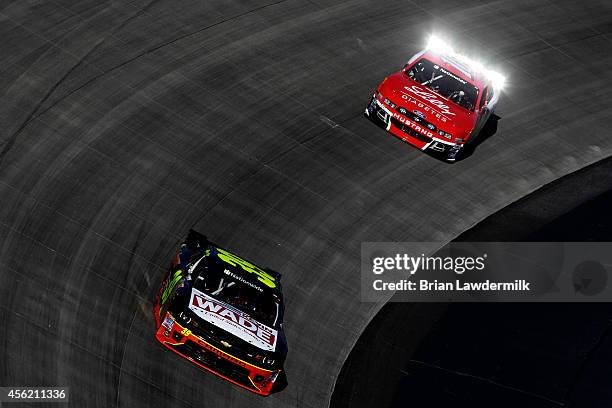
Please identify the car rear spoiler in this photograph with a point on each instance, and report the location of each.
(277, 276)
(195, 239)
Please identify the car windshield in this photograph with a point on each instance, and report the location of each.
(444, 83)
(227, 285)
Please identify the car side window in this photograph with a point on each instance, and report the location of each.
(483, 99)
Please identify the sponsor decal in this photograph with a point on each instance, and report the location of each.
(414, 126)
(227, 356)
(419, 114)
(429, 97)
(424, 107)
(223, 354)
(232, 320)
(241, 279)
(457, 64)
(455, 77)
(168, 322)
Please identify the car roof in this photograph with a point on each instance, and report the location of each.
(457, 67)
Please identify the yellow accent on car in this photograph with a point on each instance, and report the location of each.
(235, 260)
(218, 349)
(175, 278)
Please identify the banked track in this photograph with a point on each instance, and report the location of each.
(123, 124)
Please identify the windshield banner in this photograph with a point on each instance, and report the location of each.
(232, 320)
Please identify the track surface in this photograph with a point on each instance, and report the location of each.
(502, 354)
(124, 124)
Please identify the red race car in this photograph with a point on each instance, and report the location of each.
(438, 102)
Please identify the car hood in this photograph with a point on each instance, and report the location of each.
(434, 108)
(232, 320)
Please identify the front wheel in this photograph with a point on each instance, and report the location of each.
(371, 107)
(455, 153)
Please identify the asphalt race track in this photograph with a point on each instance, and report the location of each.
(123, 124)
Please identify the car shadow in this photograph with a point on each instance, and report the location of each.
(488, 130)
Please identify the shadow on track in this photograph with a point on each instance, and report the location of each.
(488, 130)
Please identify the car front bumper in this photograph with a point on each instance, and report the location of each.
(404, 129)
(186, 344)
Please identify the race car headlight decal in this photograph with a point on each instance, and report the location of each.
(273, 376)
(391, 104)
(440, 46)
(445, 134)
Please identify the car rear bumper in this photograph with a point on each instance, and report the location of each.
(184, 343)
